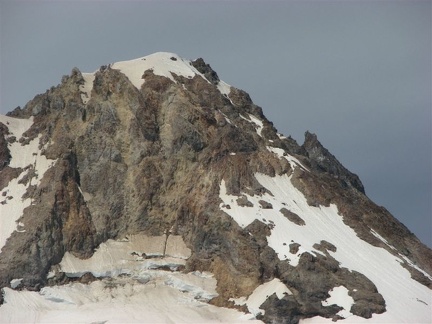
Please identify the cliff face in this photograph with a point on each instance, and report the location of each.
(160, 146)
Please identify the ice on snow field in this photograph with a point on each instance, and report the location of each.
(114, 258)
(113, 301)
(12, 207)
(406, 299)
(145, 295)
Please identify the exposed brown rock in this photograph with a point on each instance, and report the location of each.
(292, 217)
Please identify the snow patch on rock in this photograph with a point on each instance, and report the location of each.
(87, 87)
(161, 63)
(28, 157)
(291, 159)
(261, 294)
(339, 296)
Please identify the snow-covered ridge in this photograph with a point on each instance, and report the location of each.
(29, 158)
(406, 299)
(161, 63)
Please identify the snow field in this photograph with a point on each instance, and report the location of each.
(146, 295)
(116, 300)
(23, 156)
(406, 299)
(408, 261)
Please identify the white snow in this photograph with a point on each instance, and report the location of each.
(15, 283)
(23, 156)
(161, 63)
(261, 294)
(12, 209)
(339, 296)
(406, 299)
(408, 261)
(224, 88)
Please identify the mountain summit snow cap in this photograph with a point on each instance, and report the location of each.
(164, 64)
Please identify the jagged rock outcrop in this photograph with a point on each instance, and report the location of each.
(322, 160)
(150, 159)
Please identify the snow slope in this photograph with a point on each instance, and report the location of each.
(406, 299)
(29, 158)
(133, 288)
(118, 300)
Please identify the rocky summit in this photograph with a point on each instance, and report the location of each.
(152, 191)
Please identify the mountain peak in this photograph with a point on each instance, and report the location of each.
(153, 177)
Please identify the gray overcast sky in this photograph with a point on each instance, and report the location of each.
(356, 73)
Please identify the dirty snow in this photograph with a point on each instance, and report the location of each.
(133, 289)
(113, 258)
(23, 156)
(119, 300)
(406, 299)
(87, 87)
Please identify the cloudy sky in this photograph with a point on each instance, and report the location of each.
(356, 73)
